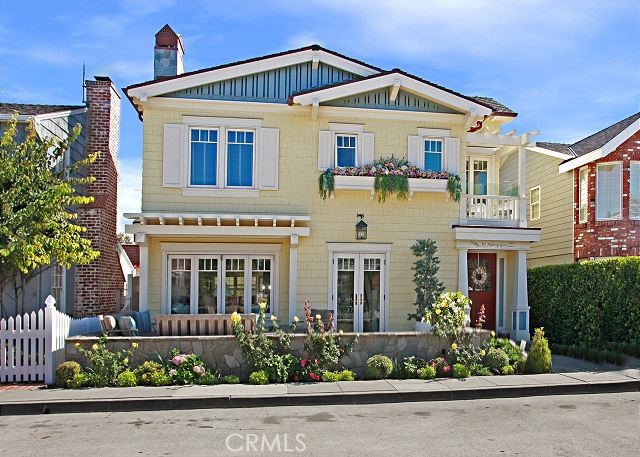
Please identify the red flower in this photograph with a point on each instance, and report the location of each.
(447, 368)
(303, 362)
(314, 376)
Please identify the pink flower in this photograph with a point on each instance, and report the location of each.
(172, 372)
(447, 368)
(316, 361)
(314, 376)
(303, 362)
(199, 370)
(178, 360)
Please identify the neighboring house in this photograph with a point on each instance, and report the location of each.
(230, 208)
(98, 287)
(598, 189)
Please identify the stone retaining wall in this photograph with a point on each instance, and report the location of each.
(223, 352)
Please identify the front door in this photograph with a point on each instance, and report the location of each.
(358, 292)
(482, 287)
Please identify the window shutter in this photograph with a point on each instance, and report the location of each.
(174, 141)
(415, 153)
(268, 158)
(452, 155)
(365, 149)
(325, 150)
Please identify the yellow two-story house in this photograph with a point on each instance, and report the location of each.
(231, 212)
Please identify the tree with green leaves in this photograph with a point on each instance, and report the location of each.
(425, 277)
(37, 201)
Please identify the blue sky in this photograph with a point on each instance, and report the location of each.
(567, 67)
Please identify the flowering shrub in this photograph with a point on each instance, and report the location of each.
(409, 368)
(323, 345)
(152, 374)
(448, 314)
(127, 379)
(188, 369)
(427, 372)
(105, 365)
(441, 365)
(262, 353)
(307, 370)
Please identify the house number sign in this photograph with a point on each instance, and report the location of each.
(491, 245)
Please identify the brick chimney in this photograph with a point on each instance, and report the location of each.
(99, 286)
(168, 54)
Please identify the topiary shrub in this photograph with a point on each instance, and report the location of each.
(231, 379)
(65, 373)
(539, 359)
(259, 378)
(379, 367)
(496, 359)
(152, 374)
(127, 379)
(460, 371)
(427, 372)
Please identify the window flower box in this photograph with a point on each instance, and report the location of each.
(366, 183)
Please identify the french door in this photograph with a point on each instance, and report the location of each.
(358, 293)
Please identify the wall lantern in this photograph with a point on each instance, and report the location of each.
(361, 228)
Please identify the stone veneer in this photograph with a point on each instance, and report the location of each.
(223, 352)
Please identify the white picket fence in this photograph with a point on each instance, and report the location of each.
(32, 345)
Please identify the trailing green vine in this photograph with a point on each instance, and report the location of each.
(386, 185)
(326, 183)
(454, 187)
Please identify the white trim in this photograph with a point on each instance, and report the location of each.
(212, 231)
(539, 202)
(620, 163)
(346, 128)
(366, 183)
(434, 133)
(586, 219)
(360, 247)
(604, 151)
(231, 122)
(488, 139)
(234, 71)
(392, 79)
(549, 152)
(225, 192)
(631, 163)
(497, 238)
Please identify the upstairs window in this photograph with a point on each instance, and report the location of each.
(583, 204)
(346, 146)
(204, 157)
(634, 190)
(609, 191)
(534, 203)
(433, 155)
(240, 148)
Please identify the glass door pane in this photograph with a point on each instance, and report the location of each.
(180, 284)
(234, 286)
(371, 294)
(480, 177)
(207, 286)
(260, 284)
(345, 293)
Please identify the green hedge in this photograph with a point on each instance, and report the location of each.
(587, 303)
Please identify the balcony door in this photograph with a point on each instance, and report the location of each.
(358, 293)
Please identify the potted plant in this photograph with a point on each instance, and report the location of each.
(428, 286)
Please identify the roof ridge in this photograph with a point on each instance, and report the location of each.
(608, 127)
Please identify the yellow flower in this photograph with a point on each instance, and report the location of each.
(438, 311)
(126, 361)
(454, 346)
(134, 345)
(295, 319)
(318, 317)
(262, 304)
(273, 318)
(340, 332)
(235, 317)
(493, 334)
(95, 346)
(482, 352)
(77, 345)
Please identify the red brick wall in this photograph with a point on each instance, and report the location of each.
(99, 286)
(594, 239)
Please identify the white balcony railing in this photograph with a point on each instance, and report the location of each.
(495, 208)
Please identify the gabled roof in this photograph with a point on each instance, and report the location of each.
(557, 147)
(601, 143)
(315, 53)
(387, 78)
(35, 110)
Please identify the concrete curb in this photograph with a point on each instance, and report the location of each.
(351, 398)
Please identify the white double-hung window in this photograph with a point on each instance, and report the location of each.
(433, 155)
(220, 156)
(534, 203)
(583, 194)
(609, 191)
(346, 150)
(634, 190)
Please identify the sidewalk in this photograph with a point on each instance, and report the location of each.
(14, 402)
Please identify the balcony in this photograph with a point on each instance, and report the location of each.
(492, 210)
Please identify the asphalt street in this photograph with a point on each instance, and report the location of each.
(604, 424)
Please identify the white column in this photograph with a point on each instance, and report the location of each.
(521, 304)
(143, 303)
(522, 185)
(463, 279)
(293, 276)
